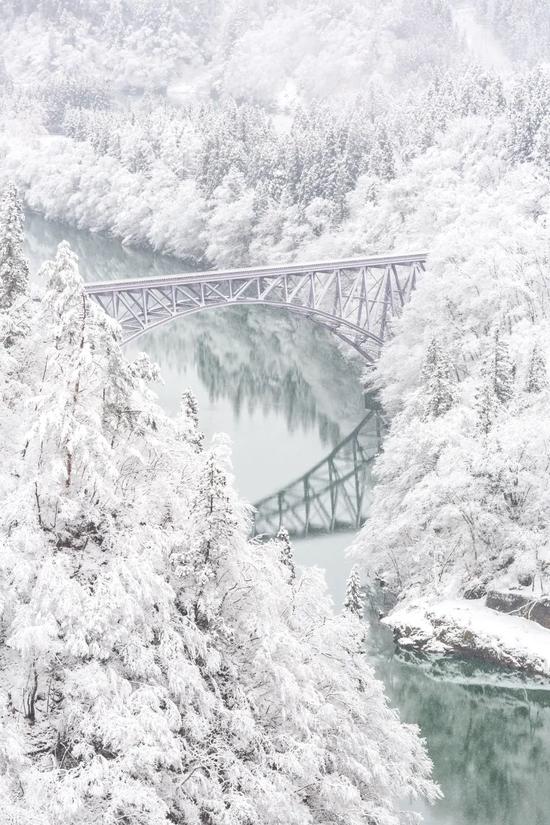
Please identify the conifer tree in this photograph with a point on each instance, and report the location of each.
(353, 602)
(503, 369)
(14, 270)
(215, 525)
(382, 162)
(537, 373)
(189, 420)
(189, 404)
(286, 553)
(439, 383)
(486, 402)
(496, 385)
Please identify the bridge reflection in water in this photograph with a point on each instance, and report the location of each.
(334, 495)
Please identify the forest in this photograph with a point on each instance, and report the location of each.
(158, 665)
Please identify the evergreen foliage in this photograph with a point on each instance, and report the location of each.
(503, 369)
(437, 374)
(486, 402)
(286, 552)
(189, 420)
(537, 373)
(14, 270)
(354, 601)
(496, 386)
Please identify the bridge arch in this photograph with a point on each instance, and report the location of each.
(355, 299)
(345, 331)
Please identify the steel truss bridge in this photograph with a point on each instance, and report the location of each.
(334, 496)
(355, 299)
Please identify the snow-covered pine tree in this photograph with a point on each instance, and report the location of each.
(216, 523)
(496, 382)
(82, 596)
(537, 373)
(14, 270)
(14, 328)
(503, 369)
(382, 162)
(189, 420)
(486, 402)
(439, 382)
(286, 553)
(354, 602)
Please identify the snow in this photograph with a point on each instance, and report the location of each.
(180, 671)
(152, 651)
(468, 626)
(480, 39)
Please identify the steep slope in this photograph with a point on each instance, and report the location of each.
(459, 509)
(155, 665)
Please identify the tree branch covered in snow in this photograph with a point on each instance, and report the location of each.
(156, 665)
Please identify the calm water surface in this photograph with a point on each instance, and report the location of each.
(286, 396)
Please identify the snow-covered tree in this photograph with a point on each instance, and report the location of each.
(286, 552)
(188, 420)
(440, 389)
(537, 373)
(496, 382)
(231, 221)
(14, 270)
(354, 601)
(486, 402)
(216, 524)
(502, 368)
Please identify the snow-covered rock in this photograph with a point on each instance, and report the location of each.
(471, 628)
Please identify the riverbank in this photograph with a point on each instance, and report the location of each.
(473, 630)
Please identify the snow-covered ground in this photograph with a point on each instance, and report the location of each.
(470, 627)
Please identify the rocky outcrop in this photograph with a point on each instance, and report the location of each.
(472, 629)
(520, 603)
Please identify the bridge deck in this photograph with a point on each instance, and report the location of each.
(373, 261)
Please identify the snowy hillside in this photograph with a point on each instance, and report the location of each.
(156, 666)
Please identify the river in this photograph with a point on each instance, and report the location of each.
(287, 396)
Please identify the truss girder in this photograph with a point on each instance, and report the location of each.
(355, 299)
(333, 496)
